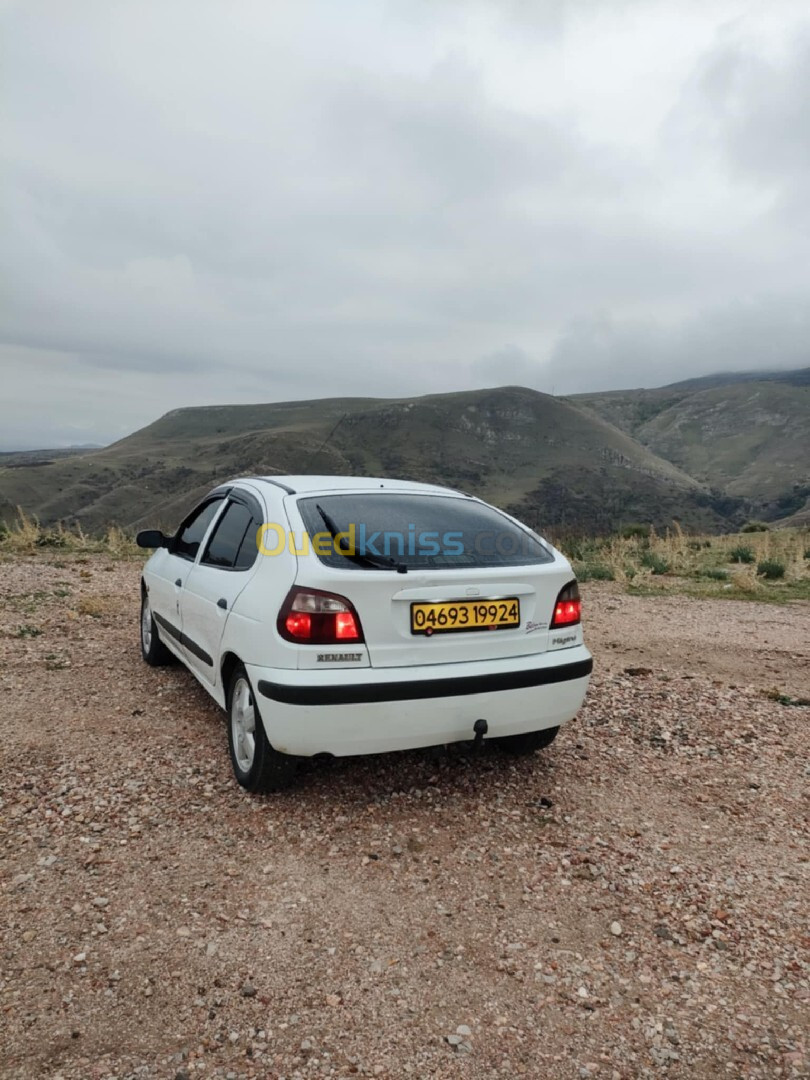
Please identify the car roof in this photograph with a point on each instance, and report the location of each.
(305, 485)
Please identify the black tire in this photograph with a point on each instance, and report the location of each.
(256, 765)
(528, 742)
(153, 650)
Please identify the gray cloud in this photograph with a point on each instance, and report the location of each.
(249, 202)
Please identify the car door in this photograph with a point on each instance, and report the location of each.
(168, 573)
(216, 580)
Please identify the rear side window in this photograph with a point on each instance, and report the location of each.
(225, 545)
(249, 548)
(424, 532)
(194, 528)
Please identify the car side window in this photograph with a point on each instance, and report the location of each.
(191, 532)
(226, 540)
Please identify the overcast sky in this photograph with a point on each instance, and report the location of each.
(212, 201)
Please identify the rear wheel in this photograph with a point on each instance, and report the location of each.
(528, 742)
(153, 650)
(256, 765)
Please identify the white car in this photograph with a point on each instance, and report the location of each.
(353, 615)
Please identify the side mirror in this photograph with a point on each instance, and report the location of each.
(151, 538)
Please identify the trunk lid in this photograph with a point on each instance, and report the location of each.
(455, 550)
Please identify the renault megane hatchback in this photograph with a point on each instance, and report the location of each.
(352, 615)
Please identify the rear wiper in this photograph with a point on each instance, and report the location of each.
(379, 562)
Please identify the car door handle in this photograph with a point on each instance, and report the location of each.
(223, 603)
(179, 583)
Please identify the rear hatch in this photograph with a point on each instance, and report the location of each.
(434, 578)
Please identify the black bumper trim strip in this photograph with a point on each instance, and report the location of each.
(183, 639)
(360, 693)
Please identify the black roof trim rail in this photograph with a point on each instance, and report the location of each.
(276, 483)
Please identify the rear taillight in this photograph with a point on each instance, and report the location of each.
(314, 617)
(568, 609)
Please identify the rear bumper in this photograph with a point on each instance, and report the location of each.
(372, 711)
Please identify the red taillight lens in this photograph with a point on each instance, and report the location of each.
(346, 627)
(298, 625)
(568, 609)
(314, 617)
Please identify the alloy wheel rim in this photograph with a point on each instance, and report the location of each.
(243, 725)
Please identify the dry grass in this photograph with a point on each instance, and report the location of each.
(96, 606)
(28, 537)
(704, 565)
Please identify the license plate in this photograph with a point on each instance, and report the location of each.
(453, 616)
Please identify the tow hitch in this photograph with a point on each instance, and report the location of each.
(480, 727)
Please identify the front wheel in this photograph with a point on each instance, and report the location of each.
(153, 650)
(528, 742)
(256, 765)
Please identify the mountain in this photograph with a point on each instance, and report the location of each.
(552, 461)
(743, 434)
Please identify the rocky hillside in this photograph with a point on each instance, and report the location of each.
(745, 435)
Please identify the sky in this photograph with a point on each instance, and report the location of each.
(264, 200)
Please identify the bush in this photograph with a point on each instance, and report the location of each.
(633, 532)
(595, 572)
(52, 539)
(656, 563)
(754, 526)
(771, 569)
(714, 574)
(697, 545)
(807, 553)
(742, 554)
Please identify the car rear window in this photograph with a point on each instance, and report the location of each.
(425, 532)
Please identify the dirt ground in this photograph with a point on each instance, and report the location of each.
(631, 902)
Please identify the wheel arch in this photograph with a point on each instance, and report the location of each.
(227, 665)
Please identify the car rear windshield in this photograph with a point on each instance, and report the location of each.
(424, 532)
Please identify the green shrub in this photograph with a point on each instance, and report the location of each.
(713, 574)
(741, 554)
(656, 563)
(754, 526)
(771, 569)
(595, 572)
(807, 553)
(631, 532)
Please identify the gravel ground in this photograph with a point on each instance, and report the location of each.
(630, 903)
